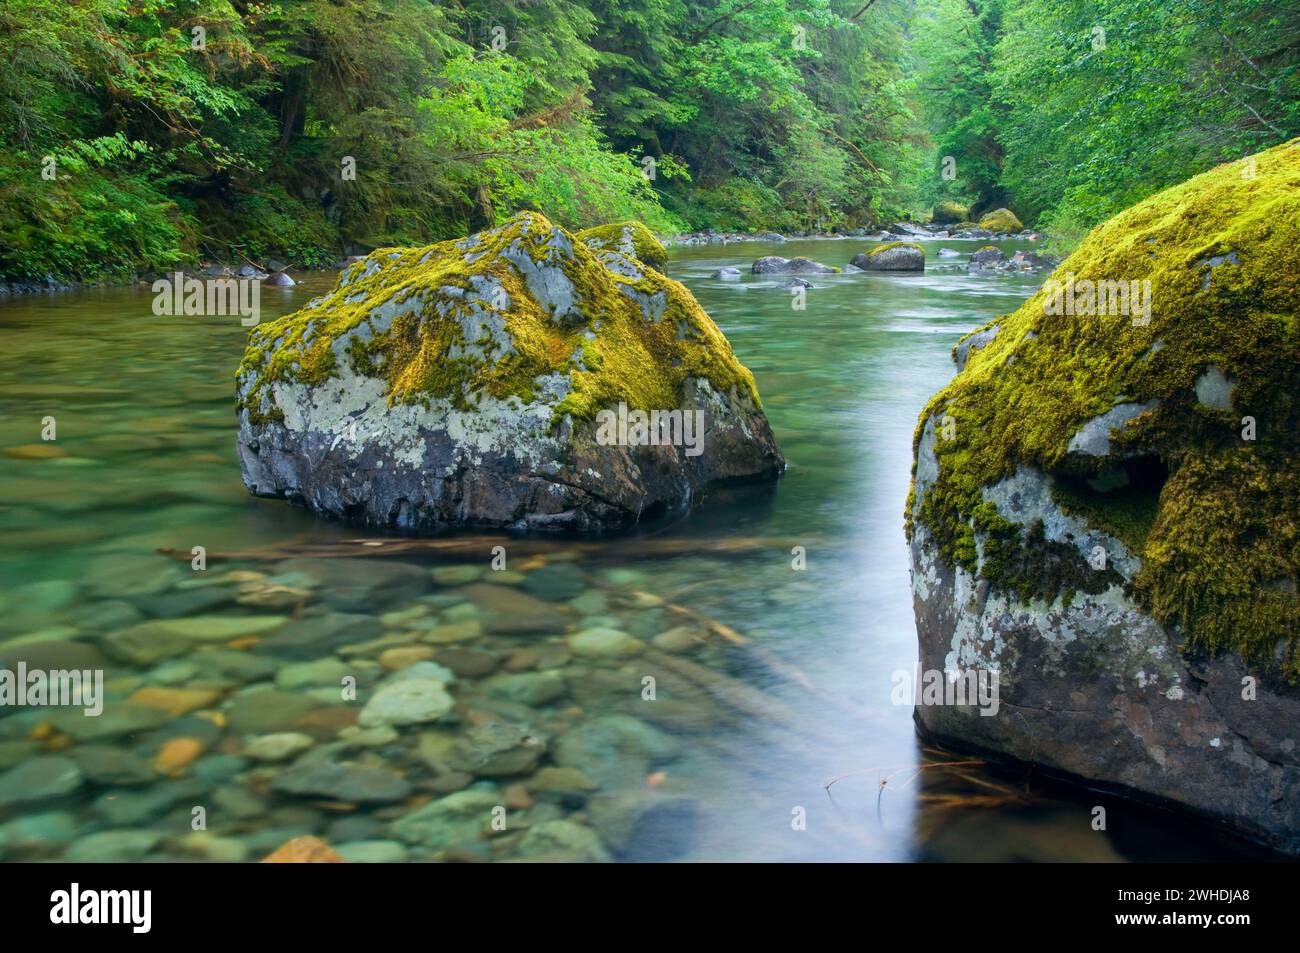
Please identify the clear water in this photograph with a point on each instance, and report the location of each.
(785, 748)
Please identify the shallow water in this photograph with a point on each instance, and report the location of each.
(740, 744)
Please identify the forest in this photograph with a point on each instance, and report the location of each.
(139, 135)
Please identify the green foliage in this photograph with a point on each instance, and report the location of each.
(1069, 111)
(208, 128)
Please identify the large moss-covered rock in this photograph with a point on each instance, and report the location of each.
(892, 256)
(627, 238)
(463, 384)
(1001, 220)
(949, 212)
(1106, 508)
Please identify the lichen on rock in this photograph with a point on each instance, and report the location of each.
(458, 384)
(1221, 561)
(1106, 506)
(627, 238)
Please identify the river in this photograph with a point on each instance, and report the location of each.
(790, 746)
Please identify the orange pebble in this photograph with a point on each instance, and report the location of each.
(177, 755)
(303, 850)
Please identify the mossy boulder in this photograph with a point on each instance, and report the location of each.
(949, 212)
(466, 384)
(892, 256)
(1001, 221)
(1106, 507)
(631, 239)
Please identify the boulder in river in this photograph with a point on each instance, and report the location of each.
(511, 379)
(893, 256)
(1105, 510)
(1001, 221)
(987, 257)
(949, 212)
(776, 265)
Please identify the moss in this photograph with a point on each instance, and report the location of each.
(438, 290)
(628, 238)
(891, 245)
(949, 212)
(1001, 220)
(1218, 532)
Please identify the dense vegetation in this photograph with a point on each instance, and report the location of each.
(138, 134)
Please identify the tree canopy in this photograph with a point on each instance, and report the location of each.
(140, 134)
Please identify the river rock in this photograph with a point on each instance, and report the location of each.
(526, 688)
(1120, 553)
(727, 274)
(614, 750)
(341, 781)
(776, 265)
(495, 750)
(41, 778)
(643, 824)
(455, 819)
(266, 710)
(113, 847)
(408, 701)
(317, 634)
(603, 642)
(278, 746)
(461, 385)
(151, 642)
(373, 852)
(987, 256)
(563, 841)
(892, 256)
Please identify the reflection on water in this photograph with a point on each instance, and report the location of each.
(684, 693)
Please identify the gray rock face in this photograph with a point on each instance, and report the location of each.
(901, 257)
(1094, 688)
(1093, 438)
(339, 445)
(776, 265)
(973, 342)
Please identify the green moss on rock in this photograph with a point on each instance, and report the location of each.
(627, 238)
(1219, 537)
(889, 246)
(616, 333)
(1001, 220)
(949, 212)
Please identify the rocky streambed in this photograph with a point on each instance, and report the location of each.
(392, 710)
